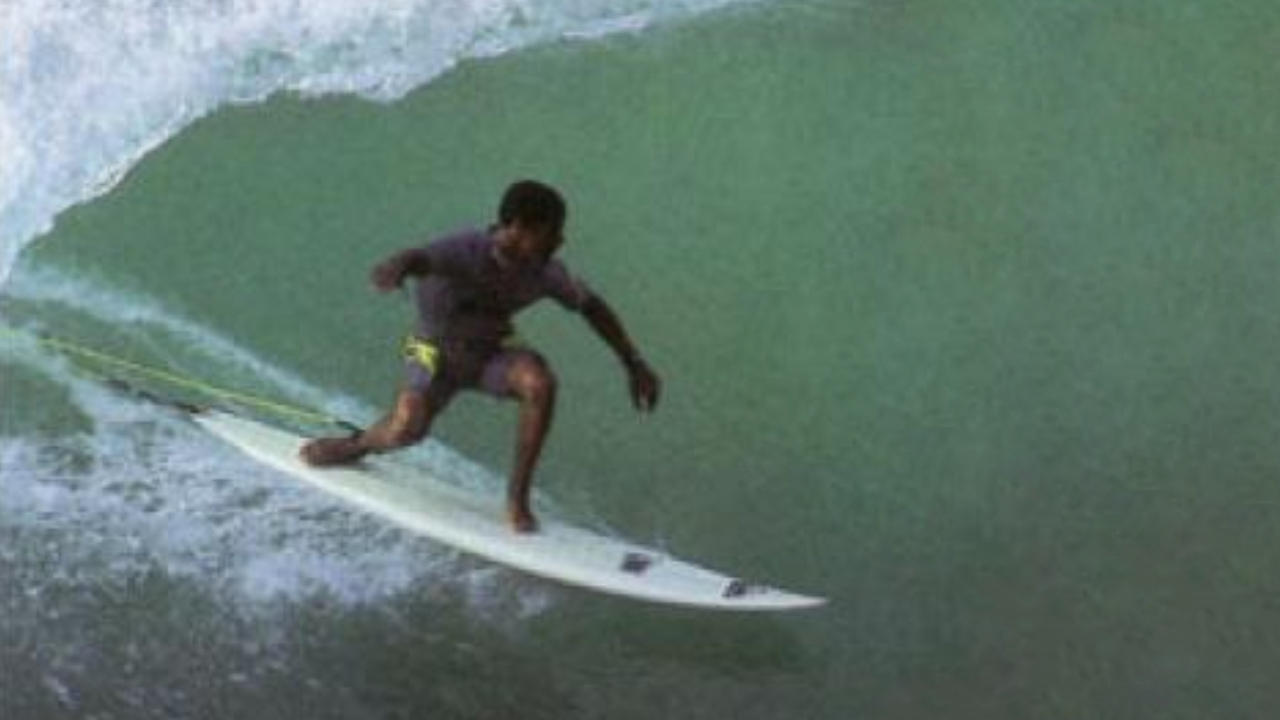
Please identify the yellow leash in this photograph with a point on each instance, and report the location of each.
(67, 347)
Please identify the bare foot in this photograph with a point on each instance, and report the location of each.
(521, 520)
(323, 452)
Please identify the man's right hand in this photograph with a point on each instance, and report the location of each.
(388, 276)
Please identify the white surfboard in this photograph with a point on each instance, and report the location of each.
(474, 523)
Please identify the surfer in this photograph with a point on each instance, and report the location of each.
(469, 286)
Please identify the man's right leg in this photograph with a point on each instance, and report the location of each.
(407, 423)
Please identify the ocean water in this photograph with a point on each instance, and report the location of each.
(965, 312)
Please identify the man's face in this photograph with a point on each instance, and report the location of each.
(529, 244)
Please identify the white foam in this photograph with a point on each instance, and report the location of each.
(138, 314)
(146, 487)
(88, 88)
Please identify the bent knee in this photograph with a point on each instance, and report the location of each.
(400, 435)
(408, 423)
(532, 380)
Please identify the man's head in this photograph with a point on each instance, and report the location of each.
(531, 216)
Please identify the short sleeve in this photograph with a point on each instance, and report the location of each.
(452, 255)
(562, 286)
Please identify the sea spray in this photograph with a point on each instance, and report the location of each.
(143, 489)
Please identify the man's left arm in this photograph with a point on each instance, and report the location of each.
(644, 383)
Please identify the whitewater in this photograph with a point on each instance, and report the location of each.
(88, 89)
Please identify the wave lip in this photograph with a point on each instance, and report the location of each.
(89, 88)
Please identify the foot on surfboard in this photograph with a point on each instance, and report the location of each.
(521, 520)
(324, 452)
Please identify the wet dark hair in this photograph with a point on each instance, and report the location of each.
(532, 204)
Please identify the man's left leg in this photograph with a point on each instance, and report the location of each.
(529, 379)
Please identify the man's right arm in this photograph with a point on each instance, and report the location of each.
(390, 273)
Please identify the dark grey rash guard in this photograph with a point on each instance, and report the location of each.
(470, 295)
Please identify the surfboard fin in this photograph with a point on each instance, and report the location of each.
(741, 588)
(636, 563)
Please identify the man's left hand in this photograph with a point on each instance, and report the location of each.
(645, 386)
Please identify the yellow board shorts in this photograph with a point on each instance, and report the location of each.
(442, 368)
